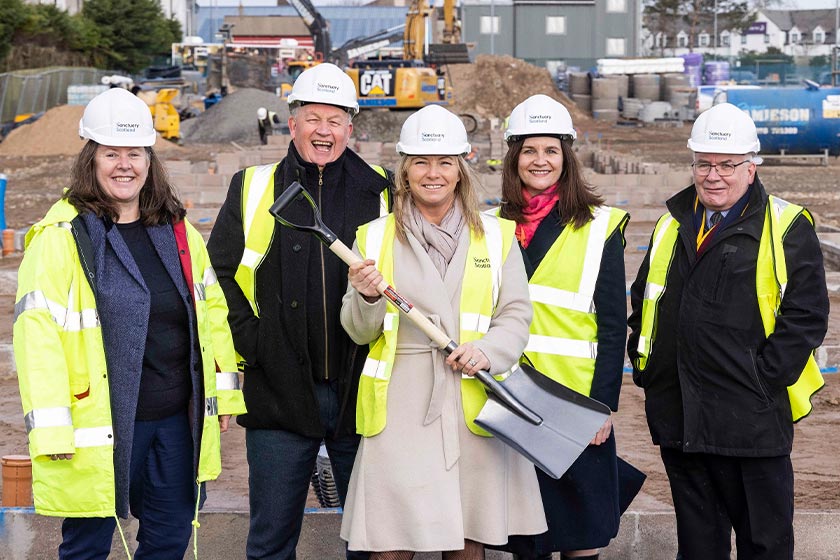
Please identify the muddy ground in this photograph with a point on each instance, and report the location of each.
(35, 182)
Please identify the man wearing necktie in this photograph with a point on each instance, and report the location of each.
(727, 309)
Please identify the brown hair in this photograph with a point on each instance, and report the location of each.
(576, 196)
(464, 192)
(159, 204)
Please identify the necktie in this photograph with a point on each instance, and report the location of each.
(715, 218)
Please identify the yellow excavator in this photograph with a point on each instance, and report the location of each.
(415, 80)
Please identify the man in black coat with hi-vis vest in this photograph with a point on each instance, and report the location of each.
(284, 292)
(728, 307)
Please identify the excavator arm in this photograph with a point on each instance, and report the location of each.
(316, 24)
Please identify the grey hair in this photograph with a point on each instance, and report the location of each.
(295, 107)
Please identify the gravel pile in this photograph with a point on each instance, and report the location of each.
(233, 119)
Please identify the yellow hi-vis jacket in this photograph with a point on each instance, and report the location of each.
(258, 225)
(563, 341)
(771, 282)
(63, 374)
(479, 296)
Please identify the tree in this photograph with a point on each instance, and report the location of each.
(130, 32)
(13, 15)
(669, 17)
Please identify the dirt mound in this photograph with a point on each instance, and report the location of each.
(233, 119)
(493, 85)
(56, 133)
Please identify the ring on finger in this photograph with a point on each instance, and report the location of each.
(472, 362)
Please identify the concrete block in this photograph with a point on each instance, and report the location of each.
(200, 167)
(651, 180)
(279, 140)
(228, 159)
(211, 181)
(626, 180)
(175, 166)
(600, 180)
(182, 180)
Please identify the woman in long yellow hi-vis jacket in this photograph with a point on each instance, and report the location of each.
(126, 363)
(426, 478)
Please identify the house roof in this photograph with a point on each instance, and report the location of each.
(804, 20)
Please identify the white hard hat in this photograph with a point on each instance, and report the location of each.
(262, 113)
(325, 83)
(540, 115)
(433, 131)
(724, 129)
(116, 117)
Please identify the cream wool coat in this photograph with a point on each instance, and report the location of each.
(426, 483)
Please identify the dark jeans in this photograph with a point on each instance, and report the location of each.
(161, 497)
(280, 466)
(714, 494)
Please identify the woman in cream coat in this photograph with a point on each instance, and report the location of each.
(425, 477)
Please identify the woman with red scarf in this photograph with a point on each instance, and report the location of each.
(573, 248)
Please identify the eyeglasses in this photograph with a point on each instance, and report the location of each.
(703, 168)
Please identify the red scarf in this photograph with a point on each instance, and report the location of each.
(538, 207)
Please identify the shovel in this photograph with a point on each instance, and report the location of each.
(541, 419)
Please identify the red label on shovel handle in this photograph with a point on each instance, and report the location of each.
(397, 299)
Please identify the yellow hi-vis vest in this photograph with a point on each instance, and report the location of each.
(563, 341)
(258, 225)
(63, 375)
(770, 281)
(479, 295)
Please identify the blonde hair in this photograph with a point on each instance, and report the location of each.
(464, 192)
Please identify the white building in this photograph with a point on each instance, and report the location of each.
(799, 33)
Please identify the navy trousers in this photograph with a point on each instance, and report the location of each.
(714, 494)
(280, 466)
(161, 496)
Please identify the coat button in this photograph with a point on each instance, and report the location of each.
(294, 304)
(296, 248)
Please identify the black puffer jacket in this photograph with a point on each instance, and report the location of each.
(297, 338)
(713, 382)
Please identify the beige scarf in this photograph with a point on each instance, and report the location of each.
(440, 241)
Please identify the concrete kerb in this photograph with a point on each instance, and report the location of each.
(642, 536)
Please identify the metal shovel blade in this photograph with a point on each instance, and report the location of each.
(569, 420)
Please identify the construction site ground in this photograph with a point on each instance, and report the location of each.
(35, 181)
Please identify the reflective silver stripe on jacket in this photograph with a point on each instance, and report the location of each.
(94, 437)
(582, 300)
(562, 346)
(227, 381)
(200, 288)
(375, 368)
(260, 179)
(211, 406)
(67, 320)
(47, 418)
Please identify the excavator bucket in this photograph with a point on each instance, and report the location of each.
(448, 53)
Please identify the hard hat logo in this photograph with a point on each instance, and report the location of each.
(539, 119)
(715, 136)
(326, 88)
(432, 137)
(126, 128)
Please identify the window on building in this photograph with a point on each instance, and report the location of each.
(819, 36)
(794, 37)
(744, 39)
(489, 25)
(682, 39)
(555, 25)
(725, 39)
(616, 46)
(661, 40)
(617, 6)
(766, 39)
(703, 40)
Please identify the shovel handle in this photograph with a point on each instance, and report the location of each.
(437, 336)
